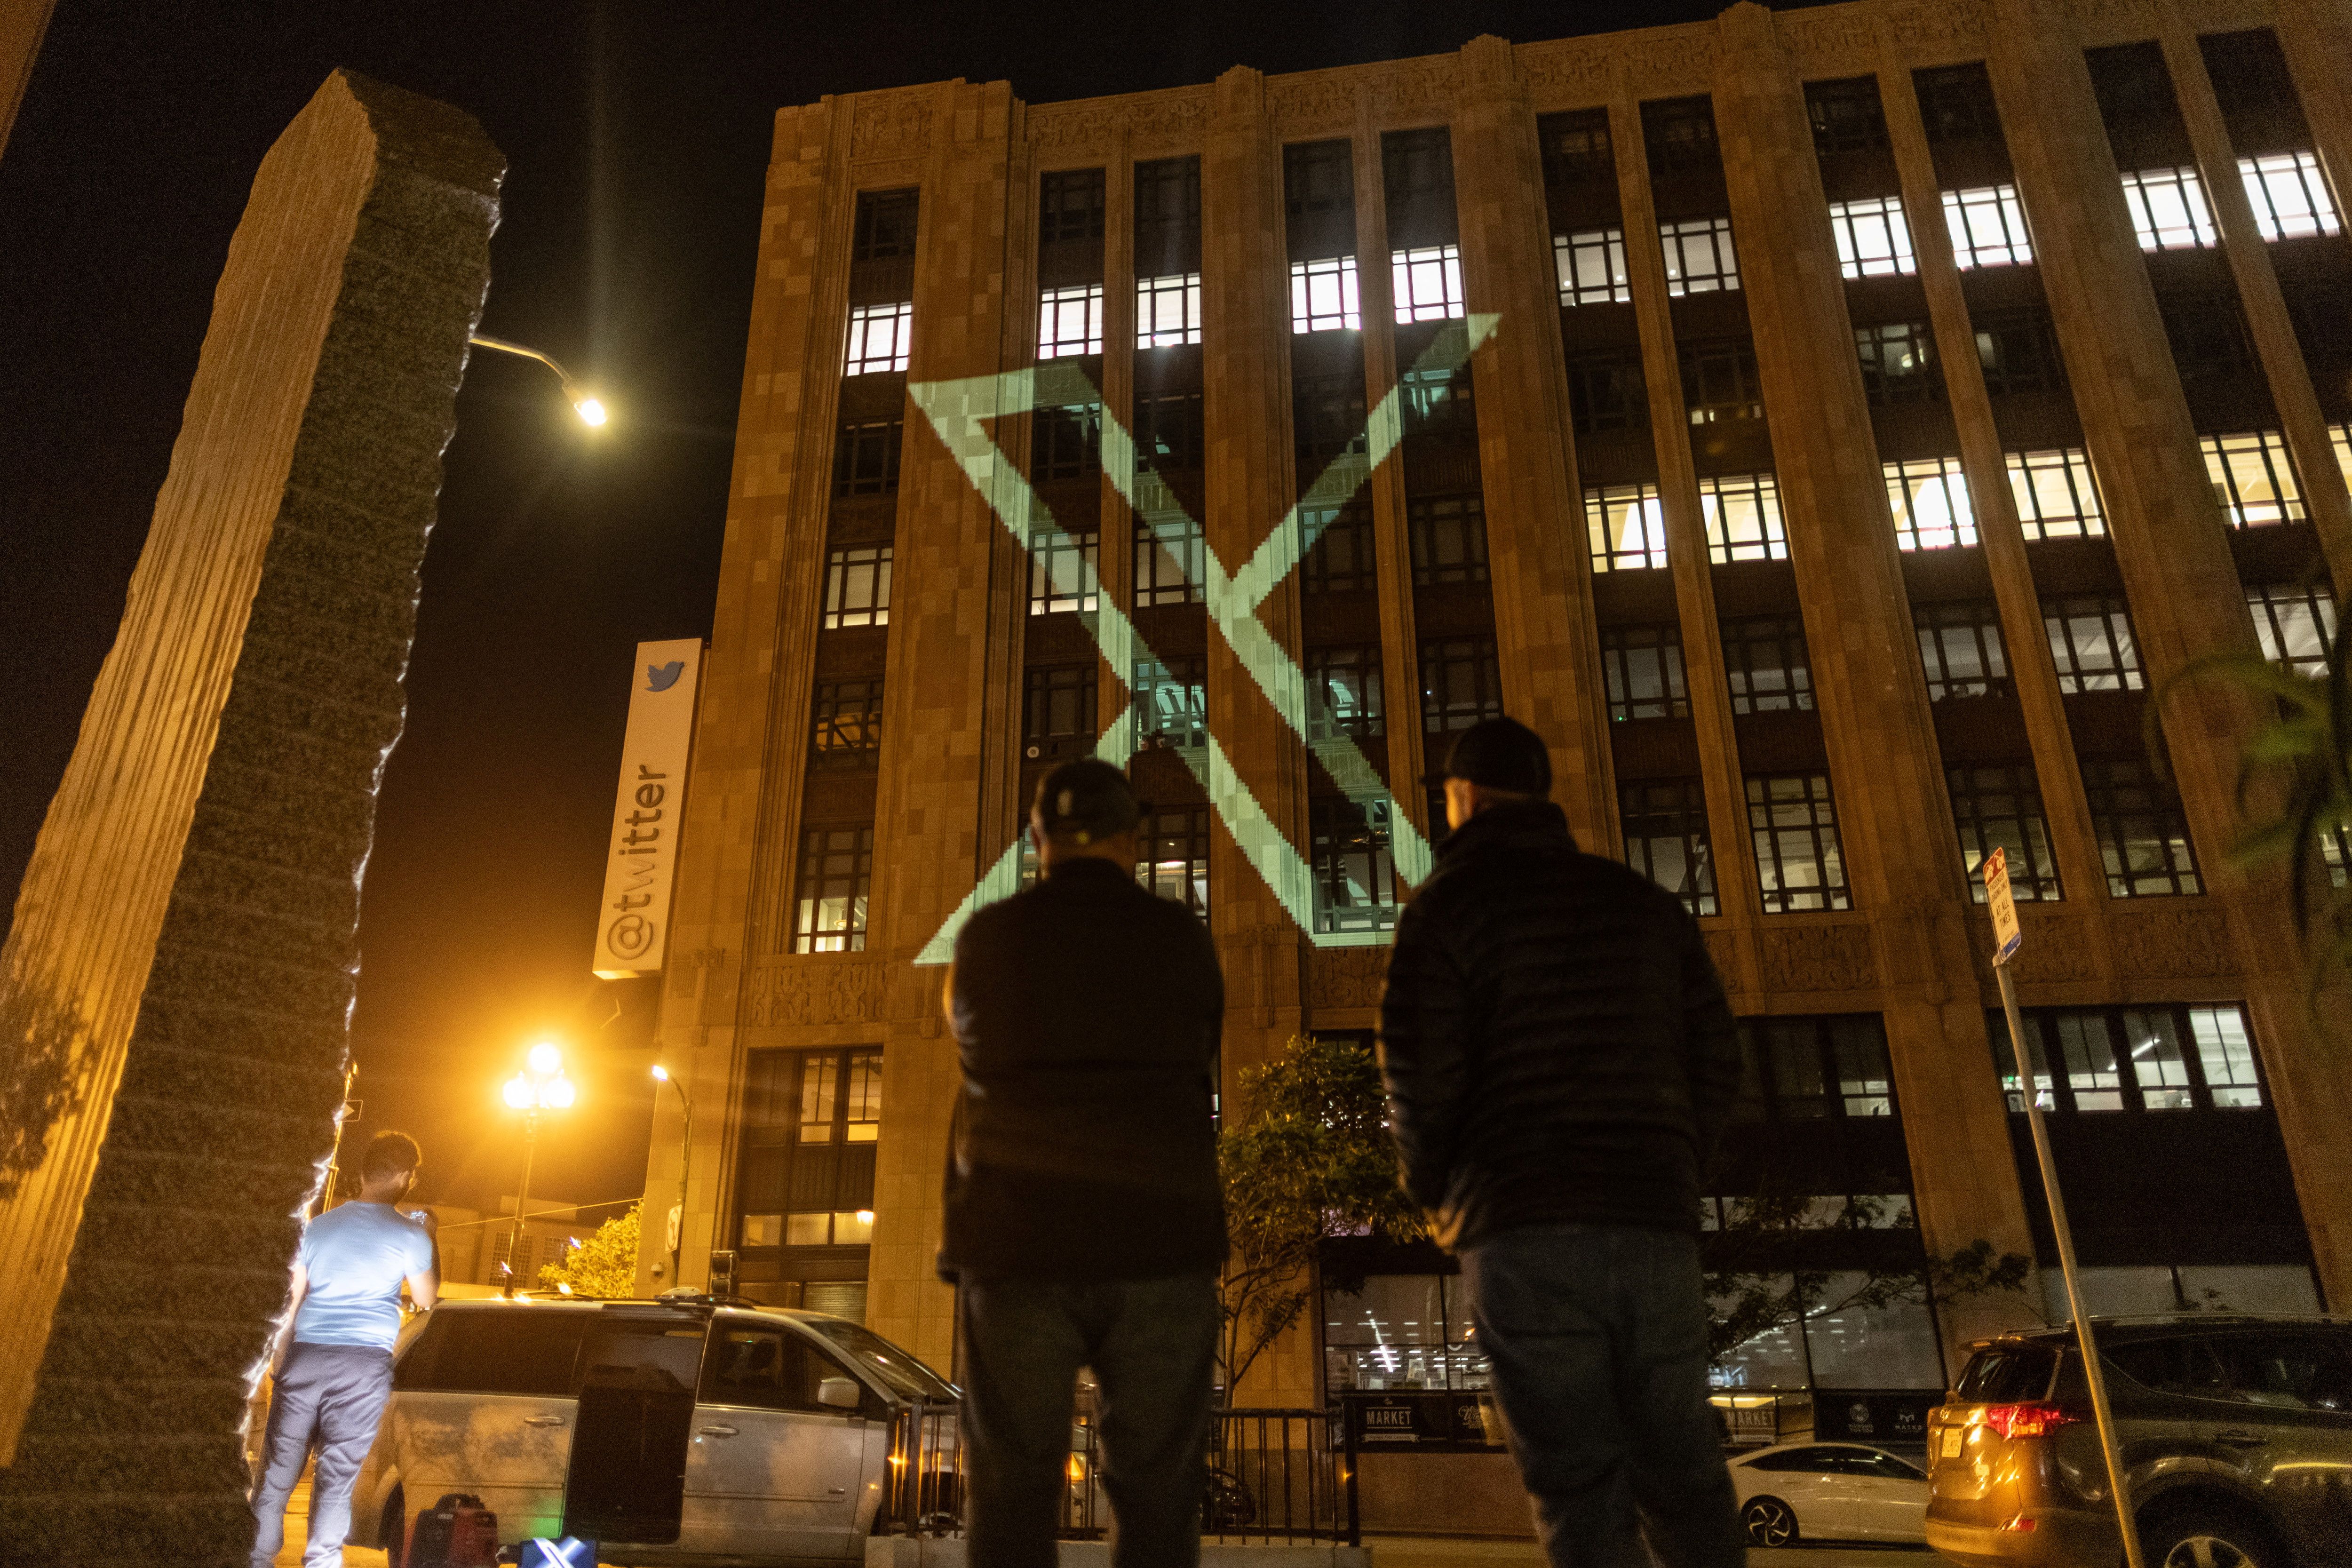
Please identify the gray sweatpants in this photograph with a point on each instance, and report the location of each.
(329, 1398)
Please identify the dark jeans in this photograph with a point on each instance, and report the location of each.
(329, 1397)
(1597, 1338)
(1153, 1347)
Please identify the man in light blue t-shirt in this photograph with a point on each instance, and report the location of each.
(333, 1361)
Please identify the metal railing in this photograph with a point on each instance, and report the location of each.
(1284, 1476)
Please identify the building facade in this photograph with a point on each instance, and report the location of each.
(1829, 430)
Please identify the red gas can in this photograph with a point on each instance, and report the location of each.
(456, 1532)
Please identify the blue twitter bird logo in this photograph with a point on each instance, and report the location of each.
(662, 676)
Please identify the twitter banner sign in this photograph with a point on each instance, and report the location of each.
(633, 926)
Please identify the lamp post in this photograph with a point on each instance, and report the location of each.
(684, 1156)
(590, 409)
(540, 1086)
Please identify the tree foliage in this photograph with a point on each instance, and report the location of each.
(1305, 1157)
(605, 1266)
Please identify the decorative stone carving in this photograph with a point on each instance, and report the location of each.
(1723, 947)
(1569, 72)
(1174, 116)
(1817, 958)
(1319, 103)
(1680, 63)
(1072, 124)
(889, 126)
(793, 990)
(882, 174)
(2058, 947)
(2100, 21)
(1415, 88)
(1815, 39)
(2173, 944)
(1346, 976)
(1917, 27)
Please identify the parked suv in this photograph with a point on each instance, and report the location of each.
(2236, 1437)
(692, 1431)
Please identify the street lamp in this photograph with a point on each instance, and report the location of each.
(540, 1086)
(589, 409)
(685, 1155)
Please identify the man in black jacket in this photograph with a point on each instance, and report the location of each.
(1085, 1224)
(1559, 1058)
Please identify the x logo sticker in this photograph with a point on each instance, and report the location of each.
(961, 413)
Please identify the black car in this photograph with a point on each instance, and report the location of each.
(2236, 1437)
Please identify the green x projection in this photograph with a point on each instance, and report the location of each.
(963, 412)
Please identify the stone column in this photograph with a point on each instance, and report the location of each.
(177, 987)
(1901, 853)
(1542, 581)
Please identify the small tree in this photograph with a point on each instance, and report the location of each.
(1305, 1157)
(603, 1266)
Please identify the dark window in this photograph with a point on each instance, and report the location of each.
(865, 457)
(2091, 641)
(1437, 404)
(1957, 103)
(2207, 331)
(2296, 624)
(811, 1123)
(1449, 539)
(1418, 169)
(1461, 683)
(1845, 115)
(1679, 133)
(1720, 381)
(1605, 391)
(885, 225)
(1058, 707)
(1169, 431)
(1172, 704)
(1343, 693)
(1898, 363)
(847, 729)
(2152, 1058)
(507, 1352)
(1326, 416)
(1066, 442)
(2142, 832)
(1644, 668)
(2132, 86)
(1813, 1069)
(1576, 147)
(2018, 348)
(836, 875)
(1339, 549)
(2000, 807)
(1960, 647)
(764, 1369)
(1070, 206)
(1793, 823)
(1355, 879)
(1665, 823)
(1175, 865)
(1319, 180)
(1765, 658)
(1168, 564)
(1167, 216)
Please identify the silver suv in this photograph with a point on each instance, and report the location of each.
(687, 1431)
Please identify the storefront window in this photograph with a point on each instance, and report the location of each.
(1403, 1333)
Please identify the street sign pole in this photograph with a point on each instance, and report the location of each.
(2008, 939)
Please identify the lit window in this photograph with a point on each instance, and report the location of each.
(846, 728)
(1062, 568)
(2289, 195)
(2340, 438)
(2057, 493)
(2296, 624)
(1168, 310)
(2227, 1053)
(1591, 266)
(1643, 668)
(1793, 825)
(1355, 879)
(2168, 210)
(1743, 518)
(1175, 864)
(1168, 560)
(2159, 1067)
(2253, 478)
(1428, 282)
(1628, 527)
(836, 872)
(2000, 809)
(1929, 497)
(857, 587)
(1988, 227)
(1070, 321)
(878, 335)
(1664, 821)
(1172, 704)
(1960, 649)
(1323, 297)
(1460, 684)
(2143, 835)
(1344, 693)
(2091, 644)
(1874, 240)
(1766, 660)
(1699, 258)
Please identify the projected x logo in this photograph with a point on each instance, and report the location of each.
(961, 412)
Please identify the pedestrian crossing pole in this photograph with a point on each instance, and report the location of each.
(2007, 939)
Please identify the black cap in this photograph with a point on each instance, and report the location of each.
(1086, 800)
(1502, 754)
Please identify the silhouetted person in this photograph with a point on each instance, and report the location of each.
(1084, 1220)
(333, 1361)
(1559, 1058)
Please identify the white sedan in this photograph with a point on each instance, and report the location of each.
(1829, 1491)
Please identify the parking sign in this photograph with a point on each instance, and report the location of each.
(2006, 936)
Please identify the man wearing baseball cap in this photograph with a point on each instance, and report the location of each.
(1559, 1058)
(1085, 1225)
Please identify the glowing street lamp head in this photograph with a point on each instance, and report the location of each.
(518, 1092)
(591, 411)
(545, 1058)
(661, 1073)
(558, 1094)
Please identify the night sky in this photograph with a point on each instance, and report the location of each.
(636, 148)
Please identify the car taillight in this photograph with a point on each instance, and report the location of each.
(2027, 1420)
